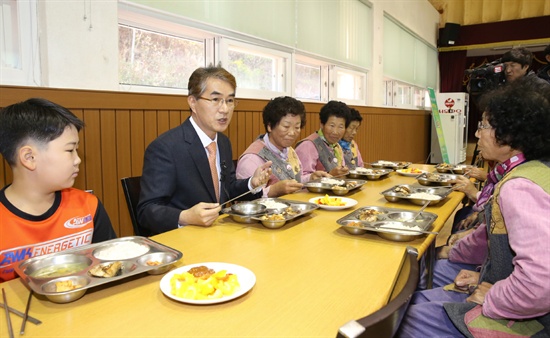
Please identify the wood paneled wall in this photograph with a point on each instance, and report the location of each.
(120, 125)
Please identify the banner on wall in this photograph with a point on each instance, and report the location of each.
(438, 128)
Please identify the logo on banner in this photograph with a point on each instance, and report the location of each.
(449, 103)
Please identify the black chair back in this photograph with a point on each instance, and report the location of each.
(385, 322)
(132, 188)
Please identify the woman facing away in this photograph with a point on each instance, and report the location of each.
(510, 295)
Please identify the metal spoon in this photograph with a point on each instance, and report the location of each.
(420, 211)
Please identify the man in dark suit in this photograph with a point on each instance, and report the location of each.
(178, 187)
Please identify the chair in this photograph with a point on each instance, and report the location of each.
(132, 187)
(385, 322)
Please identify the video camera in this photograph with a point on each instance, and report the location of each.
(487, 77)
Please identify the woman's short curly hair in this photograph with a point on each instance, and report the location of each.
(281, 106)
(519, 112)
(335, 108)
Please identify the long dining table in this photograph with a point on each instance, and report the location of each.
(311, 278)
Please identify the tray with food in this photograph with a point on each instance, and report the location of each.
(390, 164)
(459, 169)
(436, 179)
(389, 223)
(65, 276)
(273, 213)
(368, 173)
(416, 195)
(338, 186)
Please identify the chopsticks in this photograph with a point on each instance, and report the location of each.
(8, 319)
(26, 315)
(21, 314)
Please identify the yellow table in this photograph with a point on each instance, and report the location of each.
(312, 277)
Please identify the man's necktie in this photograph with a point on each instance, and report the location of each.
(213, 170)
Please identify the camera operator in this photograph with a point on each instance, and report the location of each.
(517, 62)
(544, 72)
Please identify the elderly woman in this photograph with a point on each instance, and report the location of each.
(283, 118)
(511, 293)
(320, 150)
(352, 155)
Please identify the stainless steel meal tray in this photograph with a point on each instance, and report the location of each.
(435, 179)
(390, 217)
(319, 187)
(156, 260)
(392, 196)
(459, 169)
(370, 174)
(390, 164)
(298, 208)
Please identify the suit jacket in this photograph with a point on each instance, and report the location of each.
(176, 176)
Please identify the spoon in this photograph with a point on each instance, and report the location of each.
(420, 211)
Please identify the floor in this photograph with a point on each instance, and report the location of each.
(445, 232)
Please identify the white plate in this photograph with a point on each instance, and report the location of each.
(401, 172)
(246, 278)
(350, 202)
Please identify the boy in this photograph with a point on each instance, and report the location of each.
(40, 212)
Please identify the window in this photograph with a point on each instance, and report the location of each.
(403, 95)
(260, 72)
(153, 59)
(308, 82)
(19, 43)
(348, 86)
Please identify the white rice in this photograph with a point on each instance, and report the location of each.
(270, 204)
(122, 250)
(395, 227)
(332, 181)
(425, 196)
(364, 170)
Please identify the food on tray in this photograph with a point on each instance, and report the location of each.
(425, 196)
(412, 171)
(202, 283)
(354, 224)
(331, 201)
(106, 270)
(270, 204)
(395, 227)
(402, 189)
(59, 270)
(66, 285)
(291, 211)
(273, 217)
(444, 166)
(121, 250)
(153, 263)
(332, 181)
(369, 215)
(339, 187)
(437, 177)
(351, 184)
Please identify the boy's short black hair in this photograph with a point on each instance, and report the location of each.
(37, 119)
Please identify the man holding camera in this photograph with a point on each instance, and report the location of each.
(517, 62)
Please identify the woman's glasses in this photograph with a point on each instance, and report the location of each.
(481, 126)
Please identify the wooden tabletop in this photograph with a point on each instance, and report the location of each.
(312, 277)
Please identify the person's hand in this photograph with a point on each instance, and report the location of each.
(466, 186)
(465, 278)
(319, 174)
(284, 187)
(478, 296)
(443, 252)
(468, 221)
(339, 171)
(261, 175)
(479, 174)
(203, 214)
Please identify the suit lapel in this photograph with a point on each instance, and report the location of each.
(199, 158)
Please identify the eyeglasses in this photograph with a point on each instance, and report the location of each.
(481, 126)
(218, 102)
